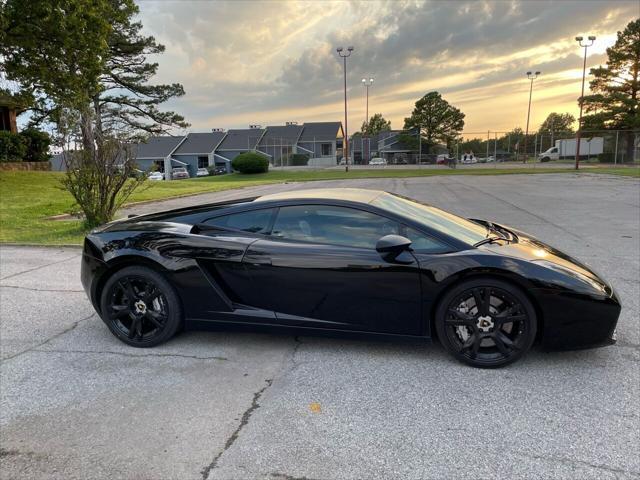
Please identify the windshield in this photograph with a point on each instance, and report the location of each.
(432, 217)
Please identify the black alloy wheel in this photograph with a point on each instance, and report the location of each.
(140, 307)
(486, 323)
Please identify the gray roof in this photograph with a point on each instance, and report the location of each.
(200, 143)
(355, 143)
(288, 134)
(157, 147)
(321, 131)
(241, 139)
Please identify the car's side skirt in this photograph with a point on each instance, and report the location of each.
(262, 327)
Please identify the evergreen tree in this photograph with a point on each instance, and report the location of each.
(614, 102)
(437, 119)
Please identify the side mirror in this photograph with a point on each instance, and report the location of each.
(392, 246)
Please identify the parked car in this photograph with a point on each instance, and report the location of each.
(220, 170)
(442, 159)
(155, 176)
(202, 172)
(468, 158)
(377, 161)
(344, 260)
(488, 159)
(179, 173)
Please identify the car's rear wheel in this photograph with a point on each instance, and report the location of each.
(140, 307)
(486, 323)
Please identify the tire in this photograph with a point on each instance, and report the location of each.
(493, 335)
(140, 307)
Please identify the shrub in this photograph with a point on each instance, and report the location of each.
(13, 147)
(250, 162)
(37, 143)
(606, 157)
(298, 159)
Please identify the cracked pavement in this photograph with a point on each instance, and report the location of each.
(75, 403)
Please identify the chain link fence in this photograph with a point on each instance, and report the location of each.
(553, 148)
(596, 146)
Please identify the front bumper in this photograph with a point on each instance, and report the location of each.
(575, 321)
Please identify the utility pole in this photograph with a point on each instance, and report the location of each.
(345, 141)
(367, 84)
(591, 39)
(531, 76)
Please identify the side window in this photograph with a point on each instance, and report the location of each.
(332, 225)
(423, 243)
(254, 221)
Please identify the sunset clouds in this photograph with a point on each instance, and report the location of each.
(269, 62)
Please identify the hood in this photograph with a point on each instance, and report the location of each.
(529, 248)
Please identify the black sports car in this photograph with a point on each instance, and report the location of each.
(344, 261)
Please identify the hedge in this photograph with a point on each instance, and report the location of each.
(13, 147)
(250, 162)
(298, 159)
(30, 145)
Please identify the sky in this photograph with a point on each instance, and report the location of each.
(269, 62)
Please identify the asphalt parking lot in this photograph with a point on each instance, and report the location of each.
(76, 404)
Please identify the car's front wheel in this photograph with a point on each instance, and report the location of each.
(140, 307)
(486, 323)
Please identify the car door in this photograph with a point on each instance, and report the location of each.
(222, 243)
(319, 268)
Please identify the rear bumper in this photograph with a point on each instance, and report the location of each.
(574, 321)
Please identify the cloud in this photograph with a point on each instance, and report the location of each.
(268, 62)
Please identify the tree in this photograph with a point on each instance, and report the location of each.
(614, 101)
(438, 121)
(375, 125)
(88, 55)
(83, 63)
(557, 123)
(101, 180)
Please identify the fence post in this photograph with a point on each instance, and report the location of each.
(615, 155)
(488, 140)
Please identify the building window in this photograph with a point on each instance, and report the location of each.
(203, 162)
(325, 149)
(159, 164)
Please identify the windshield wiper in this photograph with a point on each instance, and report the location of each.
(490, 240)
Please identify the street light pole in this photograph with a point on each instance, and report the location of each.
(345, 141)
(367, 84)
(591, 39)
(531, 76)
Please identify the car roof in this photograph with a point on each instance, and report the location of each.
(359, 195)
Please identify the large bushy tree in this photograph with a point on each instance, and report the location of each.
(84, 65)
(557, 123)
(375, 125)
(614, 101)
(87, 55)
(437, 119)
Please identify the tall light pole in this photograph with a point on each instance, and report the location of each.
(531, 76)
(367, 84)
(586, 45)
(345, 141)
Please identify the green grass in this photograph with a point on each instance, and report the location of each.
(28, 199)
